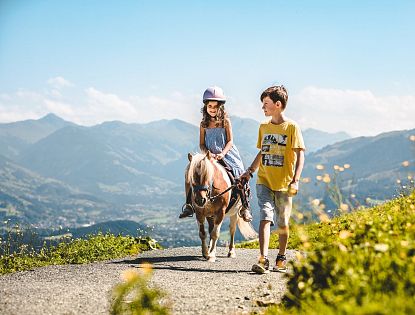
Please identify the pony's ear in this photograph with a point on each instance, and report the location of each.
(208, 155)
(189, 157)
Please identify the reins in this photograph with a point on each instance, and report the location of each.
(222, 193)
(208, 188)
(237, 184)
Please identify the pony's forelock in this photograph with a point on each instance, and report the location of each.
(202, 166)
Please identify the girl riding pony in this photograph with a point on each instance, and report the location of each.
(216, 137)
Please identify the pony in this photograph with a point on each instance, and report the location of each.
(211, 194)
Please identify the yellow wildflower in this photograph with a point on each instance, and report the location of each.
(344, 207)
(344, 234)
(129, 275)
(381, 247)
(405, 163)
(315, 202)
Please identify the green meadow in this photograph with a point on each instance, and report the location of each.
(361, 262)
(72, 251)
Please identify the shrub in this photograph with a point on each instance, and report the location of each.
(77, 251)
(134, 295)
(362, 263)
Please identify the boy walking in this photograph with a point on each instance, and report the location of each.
(280, 162)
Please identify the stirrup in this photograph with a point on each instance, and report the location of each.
(185, 207)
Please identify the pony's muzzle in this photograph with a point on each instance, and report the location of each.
(200, 201)
(201, 193)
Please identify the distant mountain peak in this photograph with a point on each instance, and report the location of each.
(317, 131)
(316, 139)
(112, 124)
(51, 117)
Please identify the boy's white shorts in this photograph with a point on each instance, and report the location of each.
(271, 202)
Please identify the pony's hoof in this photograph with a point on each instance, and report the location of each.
(211, 259)
(231, 255)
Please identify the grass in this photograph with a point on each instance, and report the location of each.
(75, 251)
(358, 263)
(135, 296)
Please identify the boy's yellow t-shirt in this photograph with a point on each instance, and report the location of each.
(276, 143)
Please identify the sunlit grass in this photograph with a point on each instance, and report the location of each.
(360, 262)
(22, 256)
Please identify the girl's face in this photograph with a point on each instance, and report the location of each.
(212, 108)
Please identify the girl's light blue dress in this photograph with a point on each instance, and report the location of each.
(215, 141)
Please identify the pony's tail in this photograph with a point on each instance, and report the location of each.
(246, 229)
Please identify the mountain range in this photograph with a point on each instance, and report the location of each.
(376, 167)
(54, 172)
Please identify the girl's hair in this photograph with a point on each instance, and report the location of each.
(220, 119)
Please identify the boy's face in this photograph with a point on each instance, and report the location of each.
(270, 108)
(212, 108)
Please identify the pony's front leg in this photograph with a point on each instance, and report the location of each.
(232, 229)
(202, 235)
(214, 236)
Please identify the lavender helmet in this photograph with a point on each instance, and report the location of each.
(214, 93)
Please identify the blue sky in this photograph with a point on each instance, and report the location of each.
(348, 65)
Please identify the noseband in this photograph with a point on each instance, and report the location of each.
(208, 189)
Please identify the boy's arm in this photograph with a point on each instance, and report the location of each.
(298, 165)
(251, 169)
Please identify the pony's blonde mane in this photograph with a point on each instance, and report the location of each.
(201, 165)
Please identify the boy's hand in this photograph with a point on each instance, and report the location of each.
(293, 188)
(245, 177)
(294, 182)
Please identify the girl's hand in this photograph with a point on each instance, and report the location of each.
(219, 156)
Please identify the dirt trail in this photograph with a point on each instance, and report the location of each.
(194, 286)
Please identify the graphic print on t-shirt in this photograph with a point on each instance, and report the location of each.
(273, 149)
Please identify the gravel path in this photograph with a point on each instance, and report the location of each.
(194, 286)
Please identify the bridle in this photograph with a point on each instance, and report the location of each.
(208, 189)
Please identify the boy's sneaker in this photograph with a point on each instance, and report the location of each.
(281, 263)
(262, 266)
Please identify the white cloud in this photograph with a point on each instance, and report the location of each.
(101, 106)
(20, 105)
(59, 108)
(358, 112)
(174, 106)
(59, 82)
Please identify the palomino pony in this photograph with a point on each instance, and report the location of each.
(211, 194)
